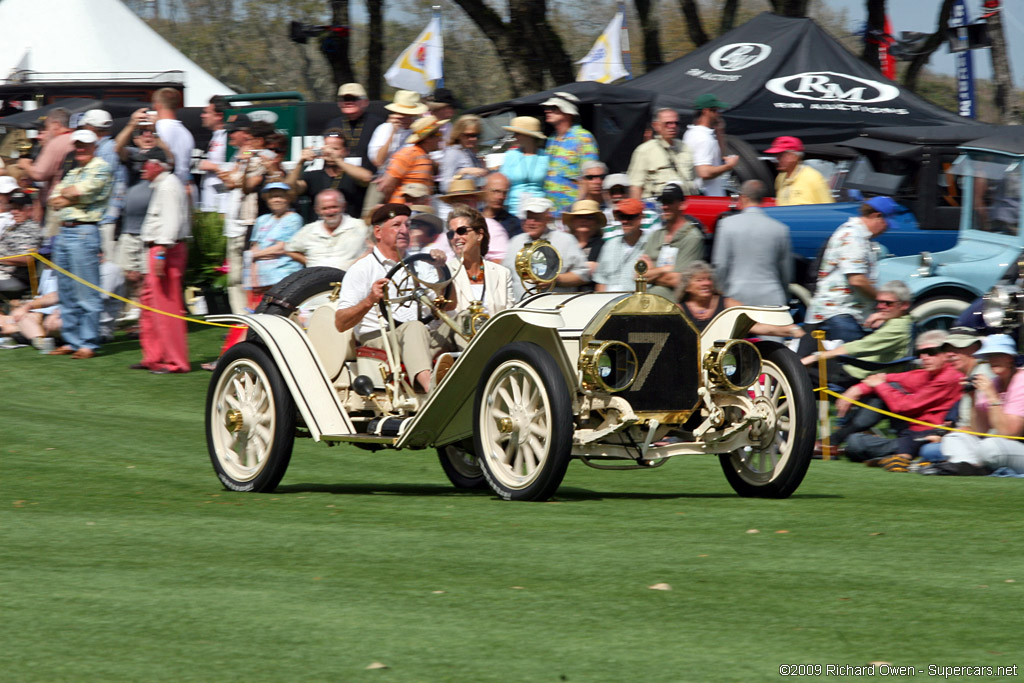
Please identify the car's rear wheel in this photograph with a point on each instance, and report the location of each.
(523, 420)
(250, 420)
(461, 466)
(776, 469)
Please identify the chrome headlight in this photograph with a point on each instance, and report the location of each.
(735, 364)
(608, 366)
(1000, 302)
(926, 265)
(538, 263)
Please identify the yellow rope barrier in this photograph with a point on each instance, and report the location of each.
(45, 261)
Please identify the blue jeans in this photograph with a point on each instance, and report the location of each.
(843, 327)
(76, 250)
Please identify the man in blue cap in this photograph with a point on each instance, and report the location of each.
(845, 290)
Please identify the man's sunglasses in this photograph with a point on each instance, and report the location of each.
(594, 177)
(350, 98)
(932, 351)
(885, 302)
(628, 216)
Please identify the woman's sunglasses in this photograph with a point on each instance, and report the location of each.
(460, 231)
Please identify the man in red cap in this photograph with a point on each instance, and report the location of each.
(797, 183)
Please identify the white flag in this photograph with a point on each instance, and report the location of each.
(420, 65)
(604, 61)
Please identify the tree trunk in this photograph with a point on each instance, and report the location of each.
(874, 32)
(526, 44)
(1005, 101)
(649, 29)
(694, 27)
(933, 43)
(375, 50)
(728, 20)
(338, 57)
(790, 8)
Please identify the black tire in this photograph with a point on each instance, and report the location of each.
(749, 166)
(461, 466)
(288, 295)
(266, 403)
(776, 471)
(528, 375)
(937, 313)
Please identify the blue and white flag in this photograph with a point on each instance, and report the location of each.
(964, 65)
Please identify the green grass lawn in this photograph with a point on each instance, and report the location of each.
(125, 560)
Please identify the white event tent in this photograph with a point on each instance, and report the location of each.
(102, 37)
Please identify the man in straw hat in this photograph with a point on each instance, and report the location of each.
(567, 150)
(365, 285)
(585, 222)
(389, 136)
(412, 163)
(663, 158)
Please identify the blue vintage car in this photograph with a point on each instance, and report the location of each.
(988, 178)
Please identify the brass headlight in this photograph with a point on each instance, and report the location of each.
(608, 366)
(538, 263)
(735, 364)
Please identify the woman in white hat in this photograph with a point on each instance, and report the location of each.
(526, 165)
(460, 158)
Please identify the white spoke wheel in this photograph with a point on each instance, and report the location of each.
(523, 420)
(775, 471)
(461, 466)
(250, 420)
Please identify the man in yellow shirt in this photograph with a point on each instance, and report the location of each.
(797, 183)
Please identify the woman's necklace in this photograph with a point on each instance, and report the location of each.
(476, 278)
(699, 311)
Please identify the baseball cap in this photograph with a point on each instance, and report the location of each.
(276, 186)
(86, 137)
(352, 90)
(614, 179)
(886, 206)
(96, 117)
(962, 337)
(709, 102)
(19, 198)
(785, 143)
(445, 97)
(630, 206)
(537, 205)
(7, 184)
(240, 122)
(671, 193)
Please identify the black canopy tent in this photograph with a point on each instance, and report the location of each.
(616, 115)
(786, 76)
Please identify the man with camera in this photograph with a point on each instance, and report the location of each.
(334, 172)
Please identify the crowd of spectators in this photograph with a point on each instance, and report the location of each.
(377, 186)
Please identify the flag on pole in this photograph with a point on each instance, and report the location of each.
(885, 58)
(421, 64)
(959, 19)
(604, 61)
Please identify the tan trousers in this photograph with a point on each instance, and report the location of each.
(417, 346)
(237, 297)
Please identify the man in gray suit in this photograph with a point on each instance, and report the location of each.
(752, 252)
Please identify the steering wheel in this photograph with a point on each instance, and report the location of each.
(415, 278)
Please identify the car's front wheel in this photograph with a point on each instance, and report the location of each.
(775, 469)
(523, 419)
(250, 420)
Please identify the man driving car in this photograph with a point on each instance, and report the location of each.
(366, 283)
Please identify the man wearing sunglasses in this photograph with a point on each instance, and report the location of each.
(358, 121)
(674, 246)
(620, 253)
(663, 158)
(891, 341)
(537, 226)
(924, 394)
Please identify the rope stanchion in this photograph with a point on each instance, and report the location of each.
(45, 261)
(826, 446)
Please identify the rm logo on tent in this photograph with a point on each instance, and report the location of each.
(828, 86)
(738, 56)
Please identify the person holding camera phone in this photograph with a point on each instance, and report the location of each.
(334, 173)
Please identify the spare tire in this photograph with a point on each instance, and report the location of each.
(301, 292)
(749, 166)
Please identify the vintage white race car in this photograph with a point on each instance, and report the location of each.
(619, 380)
